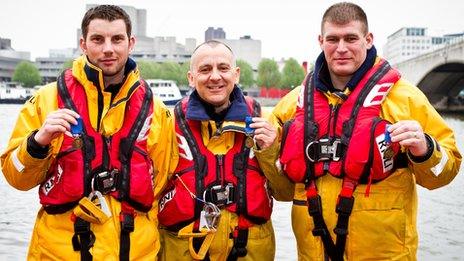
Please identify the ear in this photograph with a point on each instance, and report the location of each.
(320, 38)
(131, 43)
(83, 45)
(369, 40)
(237, 75)
(190, 79)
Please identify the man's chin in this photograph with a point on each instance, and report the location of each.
(344, 71)
(110, 73)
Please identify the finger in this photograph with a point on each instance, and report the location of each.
(415, 135)
(70, 112)
(58, 121)
(52, 129)
(64, 115)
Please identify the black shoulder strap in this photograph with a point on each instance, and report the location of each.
(88, 148)
(310, 127)
(201, 166)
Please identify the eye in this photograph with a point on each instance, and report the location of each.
(224, 68)
(204, 70)
(331, 39)
(351, 39)
(96, 39)
(118, 38)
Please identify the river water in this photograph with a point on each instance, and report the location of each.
(440, 215)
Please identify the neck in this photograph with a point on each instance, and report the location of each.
(339, 82)
(220, 108)
(113, 79)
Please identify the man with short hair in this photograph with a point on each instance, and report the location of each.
(218, 202)
(99, 146)
(360, 139)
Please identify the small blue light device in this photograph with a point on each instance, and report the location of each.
(248, 121)
(76, 129)
(387, 134)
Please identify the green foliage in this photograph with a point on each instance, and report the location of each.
(27, 74)
(166, 71)
(183, 80)
(149, 70)
(292, 74)
(246, 74)
(170, 71)
(268, 73)
(68, 64)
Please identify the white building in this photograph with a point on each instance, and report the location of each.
(9, 59)
(158, 48)
(246, 49)
(409, 42)
(51, 67)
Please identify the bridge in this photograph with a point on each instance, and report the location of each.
(439, 74)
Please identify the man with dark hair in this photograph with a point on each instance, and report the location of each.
(218, 202)
(99, 146)
(357, 139)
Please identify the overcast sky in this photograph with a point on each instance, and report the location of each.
(286, 28)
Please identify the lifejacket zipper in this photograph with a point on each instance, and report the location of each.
(220, 168)
(106, 152)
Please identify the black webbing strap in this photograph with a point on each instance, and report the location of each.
(83, 239)
(344, 207)
(240, 236)
(127, 227)
(320, 228)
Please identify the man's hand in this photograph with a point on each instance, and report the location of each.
(57, 122)
(265, 133)
(410, 135)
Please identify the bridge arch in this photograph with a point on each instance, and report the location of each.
(444, 80)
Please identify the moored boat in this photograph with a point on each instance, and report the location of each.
(14, 93)
(165, 90)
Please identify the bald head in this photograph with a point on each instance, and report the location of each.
(211, 44)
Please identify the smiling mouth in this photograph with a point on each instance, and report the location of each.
(215, 87)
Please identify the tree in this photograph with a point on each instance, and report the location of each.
(68, 64)
(183, 80)
(171, 71)
(268, 73)
(149, 70)
(27, 74)
(246, 74)
(292, 74)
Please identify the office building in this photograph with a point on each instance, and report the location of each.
(409, 42)
(9, 59)
(212, 33)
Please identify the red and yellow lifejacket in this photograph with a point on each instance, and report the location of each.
(119, 164)
(208, 176)
(345, 140)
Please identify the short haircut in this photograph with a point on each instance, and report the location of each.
(343, 13)
(108, 13)
(212, 44)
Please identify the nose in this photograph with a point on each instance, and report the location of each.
(107, 46)
(341, 47)
(215, 75)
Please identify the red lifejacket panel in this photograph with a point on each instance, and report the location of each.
(233, 181)
(118, 165)
(346, 139)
